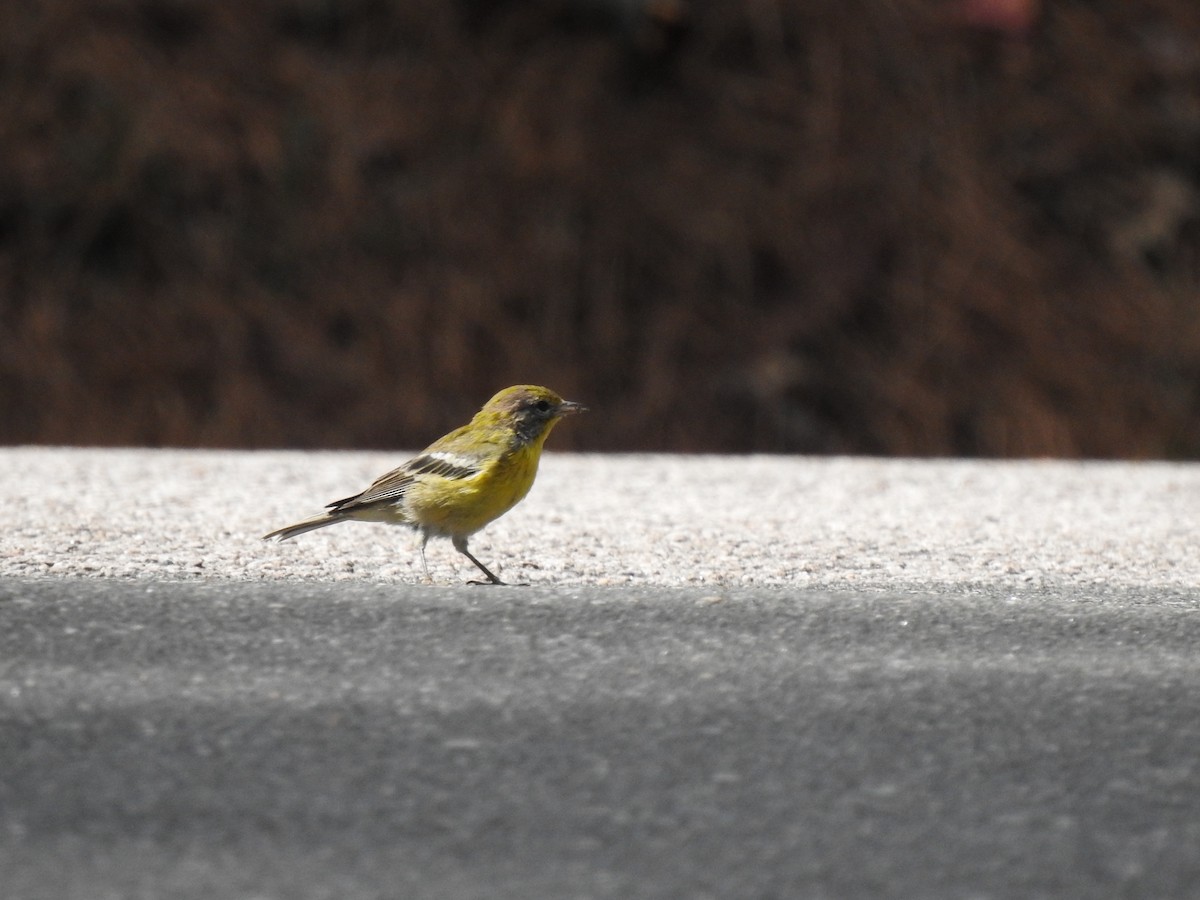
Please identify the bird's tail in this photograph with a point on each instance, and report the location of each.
(290, 531)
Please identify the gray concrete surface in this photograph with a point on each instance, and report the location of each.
(604, 520)
(728, 678)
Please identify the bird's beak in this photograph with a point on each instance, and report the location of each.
(570, 408)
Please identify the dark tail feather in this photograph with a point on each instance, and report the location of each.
(312, 524)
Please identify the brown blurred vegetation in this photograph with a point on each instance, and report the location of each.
(781, 225)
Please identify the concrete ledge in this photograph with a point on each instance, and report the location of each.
(606, 519)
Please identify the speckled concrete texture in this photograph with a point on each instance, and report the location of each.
(614, 519)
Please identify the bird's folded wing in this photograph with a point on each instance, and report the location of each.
(391, 487)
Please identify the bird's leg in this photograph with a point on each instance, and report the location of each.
(424, 564)
(460, 544)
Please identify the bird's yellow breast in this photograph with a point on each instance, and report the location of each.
(462, 506)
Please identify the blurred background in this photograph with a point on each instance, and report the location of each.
(926, 227)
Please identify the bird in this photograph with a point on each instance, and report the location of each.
(462, 481)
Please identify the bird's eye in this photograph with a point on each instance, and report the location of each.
(542, 405)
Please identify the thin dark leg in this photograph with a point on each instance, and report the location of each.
(460, 544)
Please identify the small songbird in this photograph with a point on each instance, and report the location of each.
(460, 482)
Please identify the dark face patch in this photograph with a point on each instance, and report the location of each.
(531, 414)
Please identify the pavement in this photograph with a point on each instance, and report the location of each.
(727, 677)
(637, 520)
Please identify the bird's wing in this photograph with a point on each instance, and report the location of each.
(391, 487)
(445, 464)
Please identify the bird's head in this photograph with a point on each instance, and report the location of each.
(531, 410)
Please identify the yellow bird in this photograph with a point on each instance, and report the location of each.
(462, 481)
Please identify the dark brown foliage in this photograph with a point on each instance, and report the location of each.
(793, 225)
